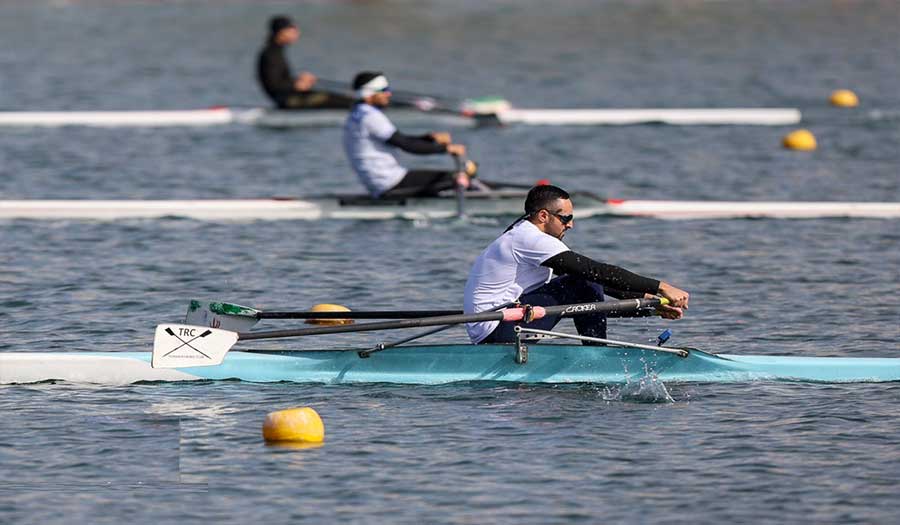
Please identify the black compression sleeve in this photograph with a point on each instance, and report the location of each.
(619, 279)
(416, 145)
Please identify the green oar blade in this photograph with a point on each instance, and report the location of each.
(226, 316)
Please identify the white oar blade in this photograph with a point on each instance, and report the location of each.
(226, 316)
(182, 345)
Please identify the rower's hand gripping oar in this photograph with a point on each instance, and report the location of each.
(181, 346)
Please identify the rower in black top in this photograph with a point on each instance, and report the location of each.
(277, 80)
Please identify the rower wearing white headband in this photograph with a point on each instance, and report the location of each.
(370, 137)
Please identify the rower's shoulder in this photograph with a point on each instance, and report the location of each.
(366, 109)
(369, 114)
(527, 236)
(269, 49)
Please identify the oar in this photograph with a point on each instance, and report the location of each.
(219, 342)
(237, 318)
(419, 101)
(431, 331)
(460, 189)
(361, 314)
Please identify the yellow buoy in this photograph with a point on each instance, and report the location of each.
(329, 308)
(844, 98)
(800, 139)
(294, 424)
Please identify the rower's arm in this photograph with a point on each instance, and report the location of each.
(424, 145)
(274, 74)
(610, 276)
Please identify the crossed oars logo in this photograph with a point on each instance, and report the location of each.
(187, 343)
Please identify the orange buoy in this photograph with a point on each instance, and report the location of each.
(294, 424)
(844, 98)
(325, 307)
(801, 139)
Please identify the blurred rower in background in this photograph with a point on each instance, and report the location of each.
(370, 138)
(277, 80)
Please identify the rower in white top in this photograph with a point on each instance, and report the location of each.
(370, 138)
(519, 266)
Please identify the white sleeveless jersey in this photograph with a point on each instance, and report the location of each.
(365, 142)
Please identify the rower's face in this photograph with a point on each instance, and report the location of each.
(382, 98)
(559, 218)
(288, 36)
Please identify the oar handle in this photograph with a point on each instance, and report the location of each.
(571, 310)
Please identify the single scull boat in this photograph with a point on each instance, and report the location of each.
(492, 203)
(435, 364)
(219, 116)
(185, 352)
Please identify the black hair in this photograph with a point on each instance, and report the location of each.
(363, 78)
(540, 198)
(279, 22)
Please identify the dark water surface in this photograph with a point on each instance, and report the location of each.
(469, 453)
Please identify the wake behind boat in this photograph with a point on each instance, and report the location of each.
(494, 203)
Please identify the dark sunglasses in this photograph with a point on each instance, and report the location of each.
(564, 219)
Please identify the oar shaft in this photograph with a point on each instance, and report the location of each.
(509, 314)
(334, 86)
(331, 84)
(401, 100)
(420, 101)
(362, 314)
(371, 327)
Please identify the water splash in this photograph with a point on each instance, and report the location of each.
(646, 389)
(643, 388)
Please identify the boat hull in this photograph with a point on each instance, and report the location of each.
(220, 116)
(504, 203)
(673, 117)
(440, 364)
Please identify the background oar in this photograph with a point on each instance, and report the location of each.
(419, 101)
